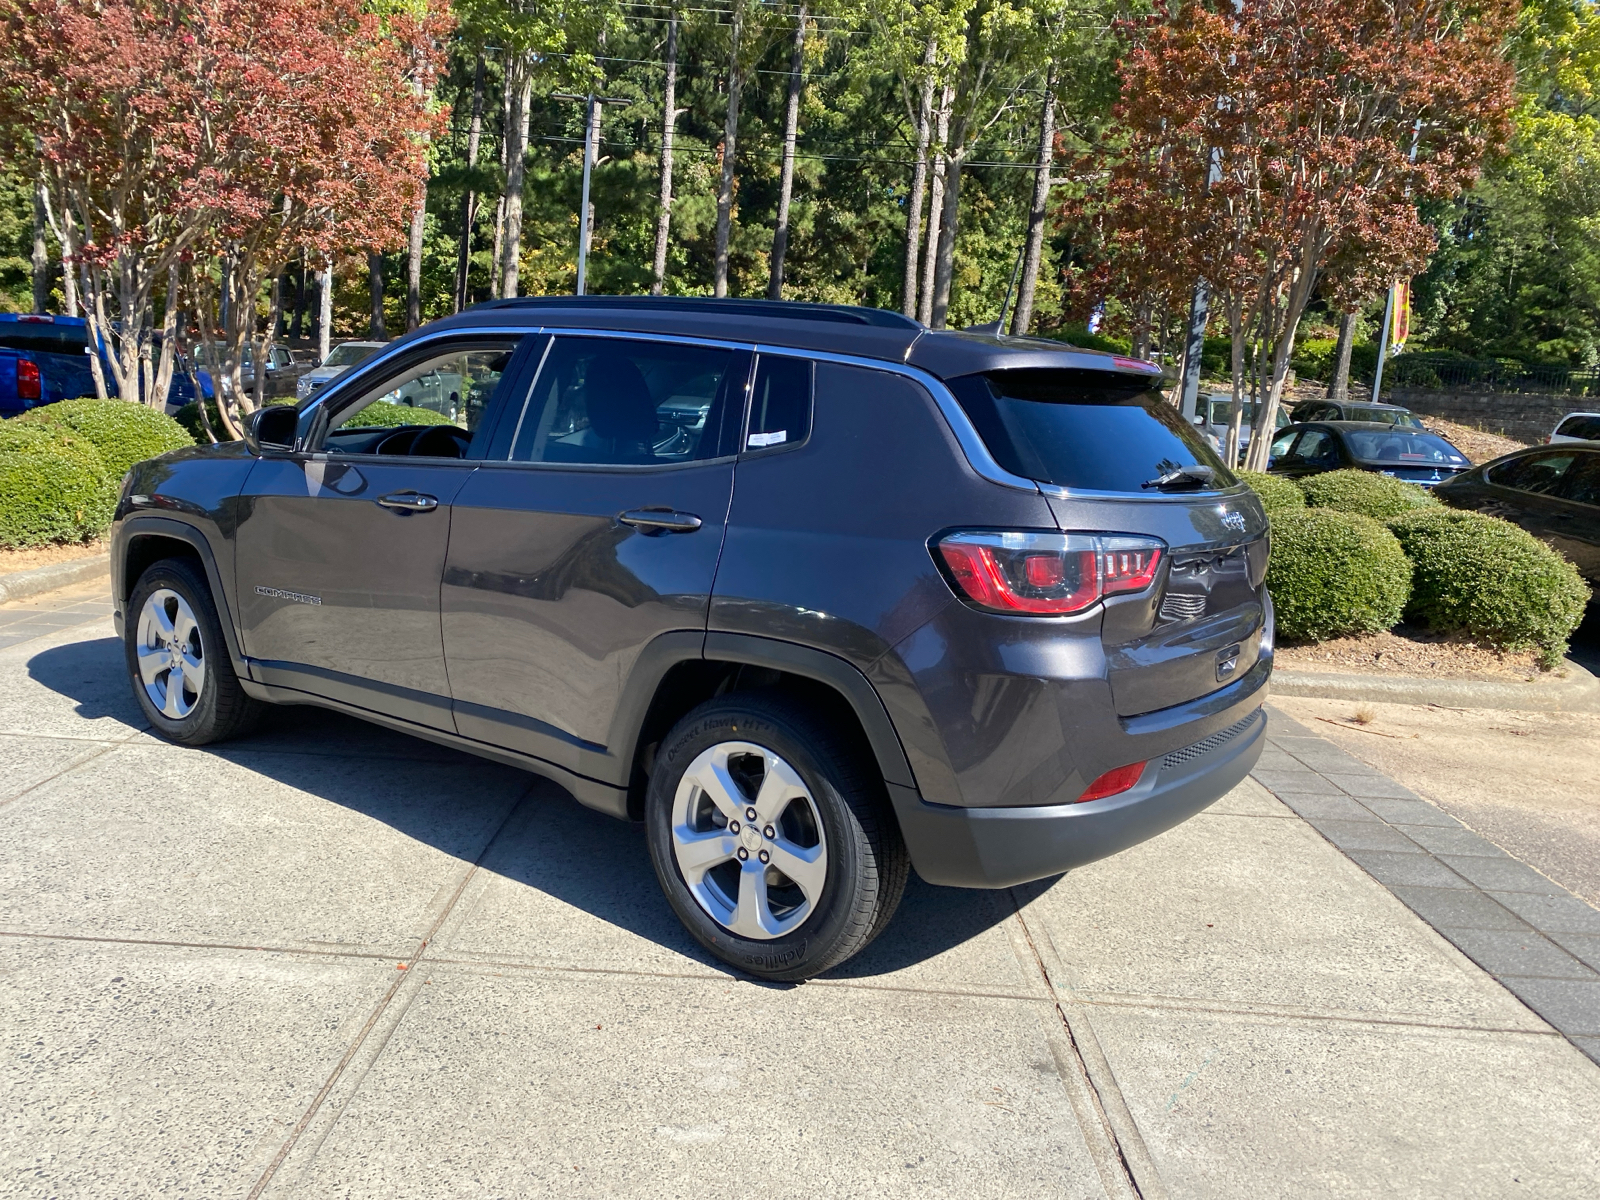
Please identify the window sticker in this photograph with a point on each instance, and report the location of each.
(758, 440)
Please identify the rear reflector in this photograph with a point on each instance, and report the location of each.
(1046, 574)
(28, 385)
(1120, 779)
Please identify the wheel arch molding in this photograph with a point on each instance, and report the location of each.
(141, 541)
(676, 672)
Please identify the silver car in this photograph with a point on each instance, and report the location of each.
(340, 359)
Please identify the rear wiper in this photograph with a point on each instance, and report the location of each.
(1184, 477)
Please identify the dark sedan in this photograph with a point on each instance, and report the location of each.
(1414, 455)
(1551, 491)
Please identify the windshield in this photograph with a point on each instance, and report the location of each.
(41, 337)
(349, 354)
(1407, 448)
(1082, 429)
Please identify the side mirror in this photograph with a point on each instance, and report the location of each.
(1199, 418)
(272, 429)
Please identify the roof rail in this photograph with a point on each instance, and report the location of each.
(787, 310)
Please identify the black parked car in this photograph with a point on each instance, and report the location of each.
(815, 593)
(1552, 491)
(1414, 455)
(1355, 410)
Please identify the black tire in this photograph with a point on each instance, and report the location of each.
(220, 709)
(866, 860)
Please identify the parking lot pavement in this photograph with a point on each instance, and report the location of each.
(329, 960)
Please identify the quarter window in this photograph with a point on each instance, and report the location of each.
(615, 402)
(780, 402)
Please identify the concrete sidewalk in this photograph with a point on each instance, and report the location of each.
(334, 961)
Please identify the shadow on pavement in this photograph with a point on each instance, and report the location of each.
(550, 844)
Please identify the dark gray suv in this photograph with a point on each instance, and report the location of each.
(815, 593)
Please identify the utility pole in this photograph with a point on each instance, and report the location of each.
(1388, 302)
(591, 148)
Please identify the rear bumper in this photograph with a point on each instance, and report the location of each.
(999, 847)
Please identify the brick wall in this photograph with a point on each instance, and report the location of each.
(1526, 416)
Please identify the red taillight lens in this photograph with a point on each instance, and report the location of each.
(1112, 782)
(1047, 574)
(28, 383)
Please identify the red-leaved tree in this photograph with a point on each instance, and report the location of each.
(192, 147)
(1262, 142)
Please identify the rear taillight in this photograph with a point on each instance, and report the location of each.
(1113, 782)
(1047, 574)
(29, 386)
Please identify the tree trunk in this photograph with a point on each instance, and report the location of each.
(791, 123)
(414, 263)
(162, 383)
(377, 328)
(1034, 252)
(41, 254)
(919, 185)
(324, 311)
(519, 82)
(469, 201)
(297, 323)
(669, 127)
(730, 135)
(944, 263)
(935, 207)
(1339, 386)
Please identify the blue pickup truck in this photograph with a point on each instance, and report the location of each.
(46, 358)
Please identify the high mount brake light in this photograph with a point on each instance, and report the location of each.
(1047, 574)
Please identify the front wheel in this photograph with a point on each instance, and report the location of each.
(771, 838)
(182, 676)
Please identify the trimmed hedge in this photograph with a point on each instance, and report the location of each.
(53, 488)
(1275, 492)
(1381, 497)
(123, 432)
(381, 414)
(1335, 573)
(1495, 581)
(189, 417)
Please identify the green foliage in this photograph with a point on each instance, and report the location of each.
(53, 488)
(1274, 491)
(125, 433)
(1483, 575)
(383, 415)
(1366, 492)
(1335, 573)
(1093, 341)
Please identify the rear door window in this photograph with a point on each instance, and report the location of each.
(1581, 425)
(617, 402)
(1095, 430)
(1580, 482)
(1538, 474)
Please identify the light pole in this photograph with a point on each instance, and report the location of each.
(591, 148)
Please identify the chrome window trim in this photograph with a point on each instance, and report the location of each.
(955, 417)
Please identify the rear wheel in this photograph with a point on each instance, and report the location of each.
(771, 837)
(182, 676)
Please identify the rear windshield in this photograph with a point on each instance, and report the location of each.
(1583, 425)
(1082, 429)
(1406, 448)
(39, 337)
(1385, 416)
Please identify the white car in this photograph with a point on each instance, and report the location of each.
(1210, 416)
(1577, 427)
(340, 359)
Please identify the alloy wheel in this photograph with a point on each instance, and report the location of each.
(172, 657)
(749, 841)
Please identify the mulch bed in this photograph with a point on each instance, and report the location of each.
(43, 556)
(1406, 651)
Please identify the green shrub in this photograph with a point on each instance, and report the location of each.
(1275, 492)
(1083, 339)
(1380, 497)
(53, 488)
(383, 414)
(123, 432)
(1335, 573)
(189, 417)
(1483, 575)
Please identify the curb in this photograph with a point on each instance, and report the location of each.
(1580, 692)
(19, 585)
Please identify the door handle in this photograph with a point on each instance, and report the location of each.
(653, 520)
(409, 502)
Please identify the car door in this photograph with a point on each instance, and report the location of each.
(1575, 526)
(591, 532)
(341, 549)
